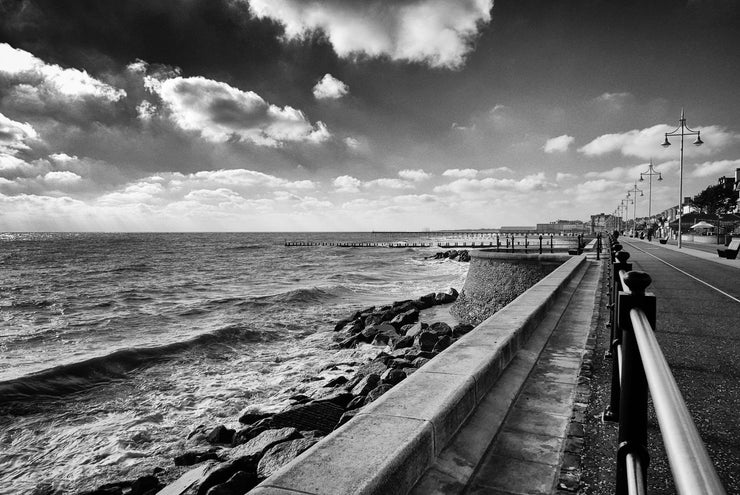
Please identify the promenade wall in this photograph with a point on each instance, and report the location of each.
(387, 447)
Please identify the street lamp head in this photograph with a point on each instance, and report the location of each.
(698, 141)
(641, 179)
(641, 194)
(666, 143)
(660, 177)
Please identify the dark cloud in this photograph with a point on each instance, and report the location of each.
(218, 39)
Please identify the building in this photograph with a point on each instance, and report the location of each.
(564, 227)
(602, 222)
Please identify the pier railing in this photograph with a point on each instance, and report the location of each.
(639, 366)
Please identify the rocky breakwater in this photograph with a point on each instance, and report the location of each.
(453, 254)
(227, 461)
(495, 279)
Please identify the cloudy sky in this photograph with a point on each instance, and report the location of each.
(294, 115)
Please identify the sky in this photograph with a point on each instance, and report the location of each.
(357, 115)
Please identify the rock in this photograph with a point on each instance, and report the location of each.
(221, 434)
(299, 399)
(439, 329)
(281, 454)
(403, 342)
(405, 318)
(452, 292)
(386, 335)
(377, 392)
(426, 301)
(341, 324)
(145, 484)
(426, 340)
(419, 362)
(392, 376)
(248, 418)
(401, 363)
(351, 413)
(254, 448)
(358, 401)
(369, 333)
(340, 399)
(335, 382)
(464, 256)
(461, 329)
(194, 457)
(365, 385)
(415, 330)
(220, 473)
(316, 415)
(350, 341)
(251, 431)
(442, 344)
(443, 298)
(427, 354)
(356, 326)
(374, 367)
(239, 483)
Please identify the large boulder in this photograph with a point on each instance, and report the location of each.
(281, 454)
(256, 447)
(392, 376)
(377, 392)
(238, 484)
(318, 415)
(461, 329)
(403, 342)
(194, 457)
(426, 341)
(439, 329)
(221, 434)
(404, 318)
(415, 330)
(442, 344)
(247, 418)
(368, 383)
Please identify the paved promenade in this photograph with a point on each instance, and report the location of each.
(698, 328)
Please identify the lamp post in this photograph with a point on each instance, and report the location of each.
(624, 204)
(634, 208)
(682, 130)
(650, 172)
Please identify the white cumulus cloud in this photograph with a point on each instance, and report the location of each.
(13, 135)
(221, 113)
(439, 33)
(329, 88)
(468, 173)
(417, 175)
(558, 144)
(21, 68)
(347, 184)
(646, 143)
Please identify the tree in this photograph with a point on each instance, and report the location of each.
(715, 199)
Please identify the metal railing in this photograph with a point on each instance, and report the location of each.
(639, 366)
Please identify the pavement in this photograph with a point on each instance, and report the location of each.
(698, 328)
(516, 441)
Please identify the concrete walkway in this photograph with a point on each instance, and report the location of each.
(704, 251)
(515, 441)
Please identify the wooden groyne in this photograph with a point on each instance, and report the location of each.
(359, 244)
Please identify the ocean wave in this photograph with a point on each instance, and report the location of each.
(68, 378)
(135, 267)
(313, 295)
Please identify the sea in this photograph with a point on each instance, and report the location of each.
(115, 347)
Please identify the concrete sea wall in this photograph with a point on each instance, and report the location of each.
(387, 447)
(495, 279)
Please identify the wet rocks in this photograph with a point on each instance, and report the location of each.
(281, 454)
(453, 254)
(365, 326)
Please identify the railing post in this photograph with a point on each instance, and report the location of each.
(633, 405)
(612, 410)
(540, 243)
(526, 243)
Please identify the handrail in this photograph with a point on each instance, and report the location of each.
(693, 471)
(638, 368)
